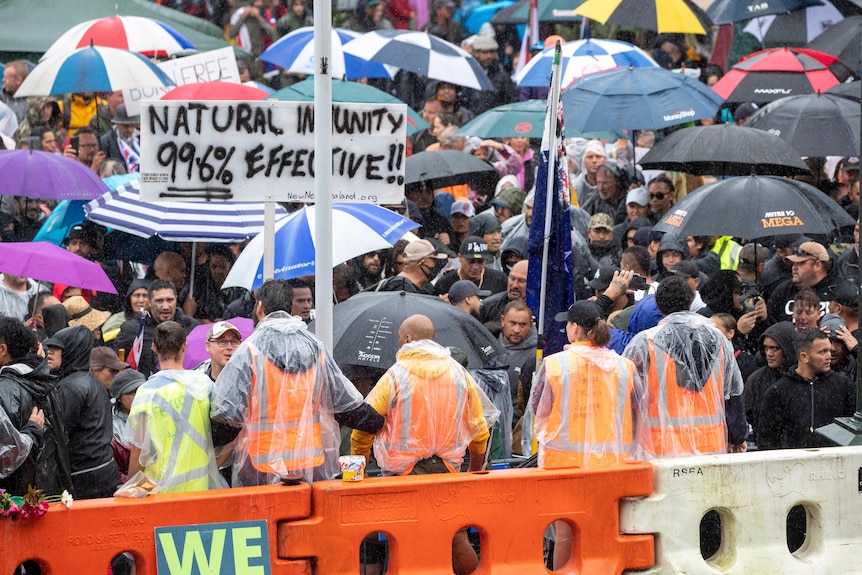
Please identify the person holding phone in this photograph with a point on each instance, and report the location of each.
(84, 146)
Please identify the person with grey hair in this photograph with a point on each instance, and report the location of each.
(450, 139)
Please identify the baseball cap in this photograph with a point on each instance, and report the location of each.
(686, 269)
(639, 196)
(585, 313)
(602, 278)
(831, 322)
(82, 232)
(126, 381)
(845, 292)
(809, 251)
(462, 207)
(419, 250)
(851, 163)
(102, 357)
(745, 110)
(462, 289)
(747, 256)
(601, 221)
(484, 223)
(473, 248)
(218, 329)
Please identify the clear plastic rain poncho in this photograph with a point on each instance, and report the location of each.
(433, 408)
(688, 371)
(283, 389)
(15, 446)
(169, 422)
(581, 407)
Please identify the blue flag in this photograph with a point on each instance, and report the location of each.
(559, 288)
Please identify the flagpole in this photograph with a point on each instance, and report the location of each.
(550, 196)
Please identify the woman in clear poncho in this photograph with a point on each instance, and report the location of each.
(581, 406)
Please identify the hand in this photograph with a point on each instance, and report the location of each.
(70, 152)
(492, 144)
(619, 284)
(846, 336)
(746, 323)
(760, 308)
(443, 237)
(37, 417)
(98, 158)
(190, 306)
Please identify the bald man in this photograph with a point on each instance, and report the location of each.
(432, 388)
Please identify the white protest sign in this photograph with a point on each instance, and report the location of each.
(264, 151)
(204, 67)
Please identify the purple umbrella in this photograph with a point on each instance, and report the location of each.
(196, 350)
(47, 176)
(44, 261)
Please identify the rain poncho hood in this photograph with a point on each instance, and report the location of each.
(282, 356)
(692, 348)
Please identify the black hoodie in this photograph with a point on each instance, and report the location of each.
(759, 381)
(86, 415)
(669, 242)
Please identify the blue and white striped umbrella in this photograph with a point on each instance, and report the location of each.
(122, 209)
(92, 69)
(295, 53)
(356, 229)
(580, 58)
(423, 54)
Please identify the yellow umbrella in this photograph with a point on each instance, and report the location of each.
(664, 16)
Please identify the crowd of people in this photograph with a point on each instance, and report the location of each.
(677, 345)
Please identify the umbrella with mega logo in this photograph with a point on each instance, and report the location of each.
(636, 99)
(814, 124)
(768, 75)
(366, 328)
(754, 207)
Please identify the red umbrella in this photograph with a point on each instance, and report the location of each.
(775, 73)
(216, 90)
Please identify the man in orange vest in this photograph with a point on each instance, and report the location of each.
(434, 411)
(689, 400)
(282, 397)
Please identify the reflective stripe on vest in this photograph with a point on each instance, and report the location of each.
(186, 468)
(728, 252)
(281, 435)
(564, 449)
(690, 433)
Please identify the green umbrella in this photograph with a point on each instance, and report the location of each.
(521, 119)
(518, 13)
(347, 91)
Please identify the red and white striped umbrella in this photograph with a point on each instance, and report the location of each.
(145, 36)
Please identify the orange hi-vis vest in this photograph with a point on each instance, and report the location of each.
(682, 421)
(424, 419)
(283, 427)
(590, 422)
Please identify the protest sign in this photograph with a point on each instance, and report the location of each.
(204, 67)
(264, 151)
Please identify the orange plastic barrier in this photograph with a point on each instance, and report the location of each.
(83, 540)
(511, 509)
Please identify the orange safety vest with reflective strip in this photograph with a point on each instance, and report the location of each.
(283, 428)
(587, 430)
(412, 433)
(682, 421)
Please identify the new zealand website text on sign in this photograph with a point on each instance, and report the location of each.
(264, 151)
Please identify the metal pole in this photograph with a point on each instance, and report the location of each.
(323, 171)
(268, 240)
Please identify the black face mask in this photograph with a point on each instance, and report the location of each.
(432, 271)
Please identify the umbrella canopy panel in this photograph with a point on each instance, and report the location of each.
(432, 170)
(44, 175)
(46, 262)
(660, 15)
(730, 11)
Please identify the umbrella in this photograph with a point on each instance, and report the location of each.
(423, 54)
(550, 11)
(797, 27)
(473, 15)
(636, 99)
(660, 15)
(55, 228)
(295, 53)
(216, 90)
(47, 176)
(724, 150)
(582, 57)
(366, 328)
(44, 261)
(344, 91)
(196, 351)
(443, 168)
(730, 11)
(92, 69)
(122, 209)
(842, 41)
(847, 89)
(814, 124)
(356, 229)
(145, 36)
(120, 245)
(754, 207)
(771, 74)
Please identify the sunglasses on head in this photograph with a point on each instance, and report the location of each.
(803, 253)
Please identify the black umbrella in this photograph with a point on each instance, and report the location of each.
(842, 40)
(730, 11)
(754, 207)
(814, 124)
(366, 328)
(725, 150)
(447, 168)
(848, 89)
